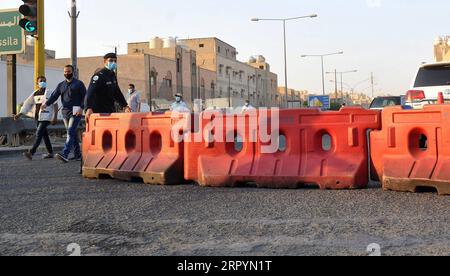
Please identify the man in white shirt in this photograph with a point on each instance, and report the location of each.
(43, 116)
(247, 106)
(134, 99)
(179, 105)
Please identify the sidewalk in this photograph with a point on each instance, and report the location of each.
(57, 147)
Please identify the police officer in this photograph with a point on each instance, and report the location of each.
(104, 91)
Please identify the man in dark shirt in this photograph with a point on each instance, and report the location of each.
(72, 93)
(104, 89)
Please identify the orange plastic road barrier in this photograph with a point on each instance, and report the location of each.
(412, 151)
(211, 161)
(132, 146)
(328, 149)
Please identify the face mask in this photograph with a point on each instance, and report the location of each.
(42, 85)
(130, 91)
(178, 99)
(111, 66)
(247, 104)
(68, 76)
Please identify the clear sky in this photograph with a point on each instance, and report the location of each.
(387, 37)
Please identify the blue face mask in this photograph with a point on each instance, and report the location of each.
(42, 85)
(177, 99)
(111, 66)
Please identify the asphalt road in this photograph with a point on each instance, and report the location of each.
(45, 206)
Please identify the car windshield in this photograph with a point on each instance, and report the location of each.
(383, 102)
(433, 76)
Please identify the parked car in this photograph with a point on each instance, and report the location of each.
(380, 103)
(430, 80)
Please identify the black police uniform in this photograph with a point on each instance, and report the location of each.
(103, 92)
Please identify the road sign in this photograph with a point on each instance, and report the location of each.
(12, 37)
(322, 102)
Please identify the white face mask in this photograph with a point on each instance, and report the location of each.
(130, 91)
(178, 99)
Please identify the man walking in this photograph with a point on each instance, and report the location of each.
(44, 117)
(134, 99)
(72, 92)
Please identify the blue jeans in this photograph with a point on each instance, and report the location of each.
(42, 134)
(72, 141)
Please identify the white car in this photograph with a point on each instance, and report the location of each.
(433, 78)
(430, 80)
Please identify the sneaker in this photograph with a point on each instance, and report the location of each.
(75, 158)
(62, 158)
(48, 156)
(28, 155)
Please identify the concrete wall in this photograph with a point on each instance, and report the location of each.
(164, 70)
(206, 50)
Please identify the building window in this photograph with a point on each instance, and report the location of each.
(201, 45)
(178, 65)
(168, 80)
(194, 69)
(213, 90)
(218, 49)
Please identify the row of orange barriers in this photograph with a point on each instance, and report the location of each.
(274, 148)
(328, 149)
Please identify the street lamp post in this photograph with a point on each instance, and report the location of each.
(249, 78)
(230, 71)
(73, 14)
(323, 67)
(284, 20)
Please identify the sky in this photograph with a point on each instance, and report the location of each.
(390, 38)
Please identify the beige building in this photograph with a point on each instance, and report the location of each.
(237, 80)
(442, 49)
(296, 98)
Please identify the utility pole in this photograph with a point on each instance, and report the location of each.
(335, 84)
(248, 85)
(373, 86)
(229, 87)
(39, 45)
(73, 14)
(11, 97)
